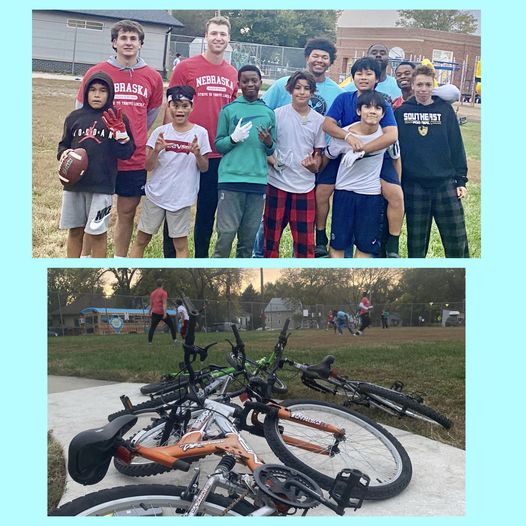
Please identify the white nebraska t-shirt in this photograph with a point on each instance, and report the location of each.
(174, 182)
(296, 137)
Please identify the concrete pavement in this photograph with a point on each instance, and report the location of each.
(437, 486)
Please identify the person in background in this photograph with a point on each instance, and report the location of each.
(159, 311)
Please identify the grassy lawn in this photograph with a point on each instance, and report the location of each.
(56, 481)
(53, 99)
(429, 360)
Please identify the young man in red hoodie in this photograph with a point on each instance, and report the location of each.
(139, 94)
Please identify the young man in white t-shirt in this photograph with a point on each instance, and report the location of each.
(291, 181)
(357, 202)
(176, 154)
(182, 317)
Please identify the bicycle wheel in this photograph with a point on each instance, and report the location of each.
(279, 387)
(164, 386)
(367, 446)
(402, 405)
(146, 500)
(153, 404)
(150, 437)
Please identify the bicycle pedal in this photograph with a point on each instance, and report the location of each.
(397, 386)
(349, 484)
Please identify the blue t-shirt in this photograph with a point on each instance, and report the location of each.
(341, 315)
(343, 111)
(388, 87)
(326, 91)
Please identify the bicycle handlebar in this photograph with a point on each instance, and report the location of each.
(239, 349)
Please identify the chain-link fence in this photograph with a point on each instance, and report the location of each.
(97, 314)
(273, 61)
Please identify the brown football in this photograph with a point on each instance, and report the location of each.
(73, 166)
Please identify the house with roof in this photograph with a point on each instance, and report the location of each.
(279, 309)
(72, 41)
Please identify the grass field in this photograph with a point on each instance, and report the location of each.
(429, 360)
(53, 99)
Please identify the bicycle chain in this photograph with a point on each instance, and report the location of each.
(234, 502)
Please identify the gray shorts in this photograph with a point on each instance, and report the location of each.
(86, 209)
(152, 217)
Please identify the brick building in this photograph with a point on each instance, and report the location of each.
(454, 54)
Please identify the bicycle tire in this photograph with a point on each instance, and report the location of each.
(152, 434)
(164, 386)
(145, 499)
(368, 447)
(153, 404)
(403, 404)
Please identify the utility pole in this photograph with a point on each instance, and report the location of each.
(261, 282)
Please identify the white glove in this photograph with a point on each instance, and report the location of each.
(349, 158)
(241, 132)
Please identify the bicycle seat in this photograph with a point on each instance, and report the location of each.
(91, 451)
(322, 369)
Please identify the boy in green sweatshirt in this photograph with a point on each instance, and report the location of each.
(246, 134)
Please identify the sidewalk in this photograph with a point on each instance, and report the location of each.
(77, 404)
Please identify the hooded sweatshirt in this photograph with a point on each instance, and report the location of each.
(431, 145)
(138, 93)
(84, 128)
(244, 162)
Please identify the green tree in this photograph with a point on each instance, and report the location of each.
(290, 28)
(451, 20)
(194, 21)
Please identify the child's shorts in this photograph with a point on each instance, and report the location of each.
(152, 216)
(86, 209)
(130, 183)
(329, 173)
(356, 219)
(388, 173)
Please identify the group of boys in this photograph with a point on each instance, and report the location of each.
(279, 158)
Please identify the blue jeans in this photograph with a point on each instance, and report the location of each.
(238, 214)
(257, 251)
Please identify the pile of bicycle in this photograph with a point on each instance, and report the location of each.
(331, 455)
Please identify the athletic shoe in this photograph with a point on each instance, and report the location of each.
(320, 251)
(177, 341)
(392, 255)
(358, 333)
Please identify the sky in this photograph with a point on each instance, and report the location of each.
(378, 18)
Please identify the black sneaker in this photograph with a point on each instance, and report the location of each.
(320, 251)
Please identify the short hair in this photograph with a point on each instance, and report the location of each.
(422, 69)
(159, 282)
(301, 75)
(248, 67)
(320, 43)
(377, 44)
(366, 63)
(127, 26)
(180, 92)
(178, 302)
(371, 98)
(220, 21)
(406, 63)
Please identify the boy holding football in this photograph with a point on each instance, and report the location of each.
(104, 133)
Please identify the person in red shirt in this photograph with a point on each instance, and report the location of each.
(139, 94)
(215, 83)
(363, 312)
(158, 311)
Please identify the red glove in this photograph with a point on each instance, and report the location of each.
(115, 123)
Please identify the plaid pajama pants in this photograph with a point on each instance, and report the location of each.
(298, 210)
(422, 205)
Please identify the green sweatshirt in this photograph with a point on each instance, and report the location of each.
(244, 162)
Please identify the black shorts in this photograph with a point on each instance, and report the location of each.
(130, 183)
(328, 175)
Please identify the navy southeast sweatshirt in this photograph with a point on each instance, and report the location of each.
(431, 144)
(84, 128)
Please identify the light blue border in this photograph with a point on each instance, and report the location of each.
(495, 347)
